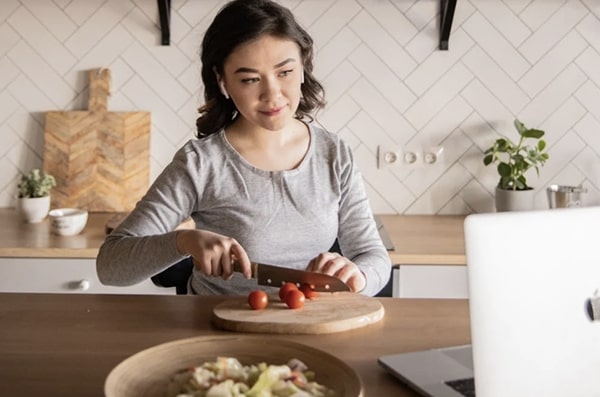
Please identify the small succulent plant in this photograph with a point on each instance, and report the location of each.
(36, 184)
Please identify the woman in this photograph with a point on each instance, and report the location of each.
(262, 182)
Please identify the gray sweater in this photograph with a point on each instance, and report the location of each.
(279, 217)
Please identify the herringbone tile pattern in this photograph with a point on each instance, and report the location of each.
(387, 84)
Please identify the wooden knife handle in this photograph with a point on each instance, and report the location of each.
(237, 267)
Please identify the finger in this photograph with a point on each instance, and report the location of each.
(320, 263)
(357, 282)
(202, 266)
(215, 264)
(311, 265)
(333, 266)
(226, 267)
(346, 272)
(240, 254)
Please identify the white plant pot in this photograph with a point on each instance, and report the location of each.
(34, 210)
(514, 200)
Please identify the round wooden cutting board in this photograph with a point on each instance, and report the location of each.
(328, 313)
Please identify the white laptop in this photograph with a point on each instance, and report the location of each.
(534, 290)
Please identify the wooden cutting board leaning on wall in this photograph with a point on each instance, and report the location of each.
(100, 159)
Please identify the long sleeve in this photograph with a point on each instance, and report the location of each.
(358, 236)
(280, 217)
(144, 244)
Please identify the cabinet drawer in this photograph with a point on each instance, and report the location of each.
(60, 275)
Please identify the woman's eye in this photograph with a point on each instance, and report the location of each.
(250, 80)
(286, 72)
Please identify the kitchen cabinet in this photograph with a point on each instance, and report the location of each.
(428, 255)
(34, 260)
(63, 275)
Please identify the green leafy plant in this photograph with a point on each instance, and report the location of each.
(514, 160)
(36, 184)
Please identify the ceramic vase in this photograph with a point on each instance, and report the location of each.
(34, 210)
(514, 200)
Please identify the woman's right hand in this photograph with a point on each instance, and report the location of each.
(213, 253)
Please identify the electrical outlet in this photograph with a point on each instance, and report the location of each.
(433, 155)
(412, 158)
(388, 156)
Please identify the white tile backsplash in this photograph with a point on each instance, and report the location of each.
(499, 15)
(382, 45)
(496, 46)
(335, 52)
(42, 40)
(44, 79)
(8, 105)
(8, 7)
(386, 84)
(439, 95)
(588, 128)
(589, 28)
(436, 65)
(553, 95)
(391, 19)
(495, 79)
(99, 24)
(562, 120)
(552, 63)
(50, 15)
(81, 11)
(382, 78)
(552, 30)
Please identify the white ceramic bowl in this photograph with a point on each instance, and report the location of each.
(67, 221)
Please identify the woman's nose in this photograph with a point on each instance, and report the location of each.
(271, 89)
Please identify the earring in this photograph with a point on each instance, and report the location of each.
(302, 77)
(223, 90)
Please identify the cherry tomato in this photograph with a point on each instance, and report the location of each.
(285, 288)
(308, 292)
(294, 299)
(258, 299)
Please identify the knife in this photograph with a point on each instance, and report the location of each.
(276, 276)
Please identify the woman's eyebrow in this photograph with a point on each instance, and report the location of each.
(250, 70)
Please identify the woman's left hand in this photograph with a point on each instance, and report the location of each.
(334, 264)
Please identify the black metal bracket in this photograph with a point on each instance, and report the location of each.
(447, 14)
(164, 11)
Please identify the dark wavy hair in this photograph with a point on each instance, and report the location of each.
(239, 22)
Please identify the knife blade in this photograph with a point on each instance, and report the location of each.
(276, 276)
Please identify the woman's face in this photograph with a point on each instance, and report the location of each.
(263, 79)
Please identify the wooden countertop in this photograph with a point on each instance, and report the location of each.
(426, 239)
(34, 240)
(65, 345)
(417, 239)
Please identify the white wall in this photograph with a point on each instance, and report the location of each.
(386, 81)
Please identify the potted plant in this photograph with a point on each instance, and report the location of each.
(34, 195)
(513, 193)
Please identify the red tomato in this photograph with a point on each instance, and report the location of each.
(285, 288)
(258, 299)
(294, 299)
(308, 292)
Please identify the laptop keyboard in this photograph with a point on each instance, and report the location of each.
(466, 387)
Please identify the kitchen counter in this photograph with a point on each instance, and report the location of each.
(425, 239)
(65, 345)
(34, 240)
(417, 239)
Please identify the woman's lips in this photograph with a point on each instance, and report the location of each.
(272, 112)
